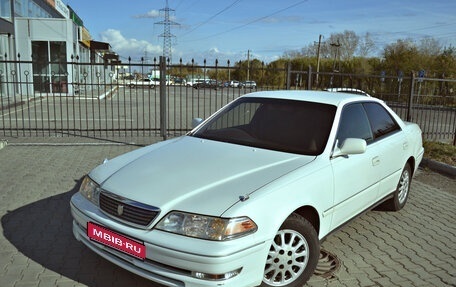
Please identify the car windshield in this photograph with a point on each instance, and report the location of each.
(283, 125)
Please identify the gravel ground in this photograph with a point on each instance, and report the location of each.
(436, 180)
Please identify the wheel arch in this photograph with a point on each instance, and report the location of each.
(411, 162)
(311, 215)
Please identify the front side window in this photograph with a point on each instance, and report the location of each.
(354, 124)
(276, 124)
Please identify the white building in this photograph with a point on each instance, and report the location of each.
(47, 44)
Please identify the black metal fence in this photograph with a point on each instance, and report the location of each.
(159, 99)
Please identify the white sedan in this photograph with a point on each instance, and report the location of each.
(246, 197)
(146, 82)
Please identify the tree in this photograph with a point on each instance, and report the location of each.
(348, 41)
(366, 45)
(429, 46)
(401, 56)
(274, 74)
(445, 66)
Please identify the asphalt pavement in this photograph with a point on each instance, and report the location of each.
(413, 247)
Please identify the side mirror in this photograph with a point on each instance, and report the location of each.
(350, 146)
(196, 122)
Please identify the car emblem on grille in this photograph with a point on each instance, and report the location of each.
(120, 209)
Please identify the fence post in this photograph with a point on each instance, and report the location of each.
(410, 100)
(454, 136)
(163, 110)
(288, 75)
(309, 78)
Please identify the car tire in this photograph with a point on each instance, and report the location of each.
(152, 86)
(397, 202)
(293, 255)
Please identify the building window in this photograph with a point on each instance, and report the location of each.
(4, 53)
(5, 9)
(50, 72)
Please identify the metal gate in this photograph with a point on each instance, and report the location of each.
(159, 99)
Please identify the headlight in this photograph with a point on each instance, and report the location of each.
(90, 190)
(206, 227)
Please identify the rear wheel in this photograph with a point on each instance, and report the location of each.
(402, 191)
(293, 255)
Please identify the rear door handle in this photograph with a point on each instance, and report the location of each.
(405, 145)
(375, 161)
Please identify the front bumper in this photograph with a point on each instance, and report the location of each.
(172, 260)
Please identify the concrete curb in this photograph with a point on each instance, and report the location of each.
(3, 144)
(439, 167)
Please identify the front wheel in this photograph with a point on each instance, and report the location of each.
(293, 255)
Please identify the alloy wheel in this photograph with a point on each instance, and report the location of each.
(287, 258)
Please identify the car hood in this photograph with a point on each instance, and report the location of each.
(192, 174)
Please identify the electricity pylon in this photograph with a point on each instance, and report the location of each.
(166, 35)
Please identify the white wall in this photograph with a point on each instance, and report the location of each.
(39, 29)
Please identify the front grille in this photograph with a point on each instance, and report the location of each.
(127, 210)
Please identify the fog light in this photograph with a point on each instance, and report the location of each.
(216, 277)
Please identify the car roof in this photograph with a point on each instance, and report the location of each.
(325, 97)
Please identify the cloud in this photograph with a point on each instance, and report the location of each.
(136, 49)
(153, 14)
(283, 19)
(133, 48)
(223, 56)
(150, 14)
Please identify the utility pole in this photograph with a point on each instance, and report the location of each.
(318, 59)
(248, 65)
(336, 55)
(166, 35)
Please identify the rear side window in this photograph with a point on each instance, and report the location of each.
(381, 122)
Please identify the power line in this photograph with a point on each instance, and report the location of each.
(215, 15)
(253, 21)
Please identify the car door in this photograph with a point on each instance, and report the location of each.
(356, 176)
(390, 142)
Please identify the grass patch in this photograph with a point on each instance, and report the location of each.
(440, 152)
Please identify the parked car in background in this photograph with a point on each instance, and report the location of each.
(127, 77)
(246, 197)
(233, 84)
(248, 85)
(145, 82)
(179, 81)
(213, 84)
(191, 83)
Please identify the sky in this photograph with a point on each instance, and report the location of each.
(261, 29)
